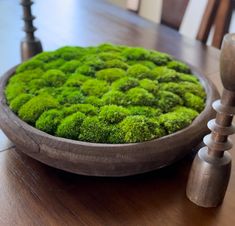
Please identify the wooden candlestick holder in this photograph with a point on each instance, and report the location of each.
(210, 172)
(30, 45)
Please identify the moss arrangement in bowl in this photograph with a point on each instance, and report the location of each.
(105, 94)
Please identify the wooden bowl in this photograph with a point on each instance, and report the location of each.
(105, 159)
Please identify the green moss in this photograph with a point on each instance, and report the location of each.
(30, 65)
(86, 109)
(115, 64)
(187, 78)
(164, 74)
(86, 70)
(108, 47)
(105, 94)
(167, 100)
(70, 95)
(110, 74)
(149, 85)
(194, 102)
(179, 66)
(54, 64)
(76, 80)
(95, 87)
(184, 87)
(107, 56)
(95, 101)
(70, 66)
(46, 57)
(114, 97)
(54, 77)
(19, 101)
(93, 130)
(52, 91)
(26, 76)
(124, 84)
(115, 135)
(137, 128)
(113, 113)
(159, 58)
(186, 112)
(144, 110)
(178, 119)
(139, 71)
(32, 109)
(36, 84)
(145, 63)
(70, 126)
(70, 53)
(14, 90)
(49, 121)
(139, 96)
(135, 53)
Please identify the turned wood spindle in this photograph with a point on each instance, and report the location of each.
(210, 172)
(30, 45)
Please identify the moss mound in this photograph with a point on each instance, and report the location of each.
(105, 94)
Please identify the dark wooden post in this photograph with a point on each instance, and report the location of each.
(30, 45)
(211, 168)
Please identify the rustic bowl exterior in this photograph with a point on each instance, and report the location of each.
(104, 159)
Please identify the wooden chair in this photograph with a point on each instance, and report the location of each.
(217, 12)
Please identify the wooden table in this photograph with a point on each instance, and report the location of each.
(32, 193)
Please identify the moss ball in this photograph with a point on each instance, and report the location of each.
(106, 93)
(86, 109)
(144, 110)
(93, 130)
(167, 100)
(95, 101)
(109, 56)
(70, 95)
(124, 84)
(70, 66)
(113, 113)
(49, 121)
(19, 101)
(95, 87)
(110, 74)
(164, 74)
(14, 90)
(149, 85)
(137, 128)
(70, 126)
(139, 96)
(86, 70)
(30, 65)
(114, 97)
(116, 64)
(76, 80)
(178, 119)
(146, 63)
(159, 58)
(54, 77)
(32, 109)
(139, 71)
(194, 102)
(179, 66)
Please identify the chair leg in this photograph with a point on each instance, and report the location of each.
(207, 20)
(222, 22)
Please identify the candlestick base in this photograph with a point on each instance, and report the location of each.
(30, 48)
(208, 179)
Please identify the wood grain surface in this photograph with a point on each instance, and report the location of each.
(32, 193)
